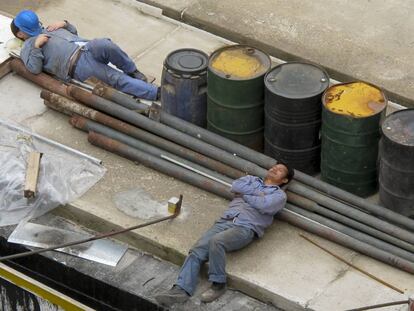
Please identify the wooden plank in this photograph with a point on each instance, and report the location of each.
(32, 174)
(5, 67)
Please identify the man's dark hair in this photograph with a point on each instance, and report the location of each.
(14, 29)
(291, 171)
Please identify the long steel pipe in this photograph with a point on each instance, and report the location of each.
(353, 213)
(91, 126)
(262, 160)
(70, 107)
(160, 129)
(345, 240)
(352, 233)
(312, 206)
(159, 165)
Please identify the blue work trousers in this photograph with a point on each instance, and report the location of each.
(94, 60)
(224, 236)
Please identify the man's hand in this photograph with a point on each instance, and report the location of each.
(56, 26)
(41, 40)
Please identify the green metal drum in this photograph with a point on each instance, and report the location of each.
(351, 117)
(235, 94)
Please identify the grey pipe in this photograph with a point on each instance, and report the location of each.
(260, 159)
(347, 241)
(160, 129)
(159, 164)
(353, 233)
(91, 126)
(353, 213)
(316, 208)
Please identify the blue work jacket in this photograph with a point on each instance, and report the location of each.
(254, 204)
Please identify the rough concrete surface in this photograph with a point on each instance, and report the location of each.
(281, 268)
(365, 40)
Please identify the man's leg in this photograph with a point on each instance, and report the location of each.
(87, 67)
(105, 51)
(188, 276)
(230, 240)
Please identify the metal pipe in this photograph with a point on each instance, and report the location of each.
(347, 241)
(192, 168)
(91, 126)
(265, 161)
(352, 233)
(42, 79)
(160, 165)
(70, 107)
(353, 213)
(120, 98)
(316, 208)
(125, 114)
(51, 142)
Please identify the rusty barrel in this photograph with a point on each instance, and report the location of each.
(351, 117)
(293, 94)
(235, 93)
(396, 169)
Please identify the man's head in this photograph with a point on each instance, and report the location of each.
(279, 175)
(25, 25)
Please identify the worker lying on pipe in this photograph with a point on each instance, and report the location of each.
(57, 49)
(249, 213)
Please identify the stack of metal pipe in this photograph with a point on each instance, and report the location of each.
(120, 124)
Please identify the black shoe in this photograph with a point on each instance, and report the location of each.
(138, 75)
(175, 295)
(215, 291)
(158, 93)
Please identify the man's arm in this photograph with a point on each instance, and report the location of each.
(32, 54)
(243, 185)
(62, 24)
(268, 204)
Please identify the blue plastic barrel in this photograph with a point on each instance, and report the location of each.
(184, 85)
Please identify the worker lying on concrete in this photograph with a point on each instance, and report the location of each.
(58, 50)
(250, 212)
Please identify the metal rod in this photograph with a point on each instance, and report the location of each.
(381, 305)
(158, 164)
(70, 107)
(352, 212)
(50, 142)
(94, 238)
(353, 266)
(316, 208)
(353, 233)
(347, 241)
(125, 114)
(120, 98)
(195, 170)
(157, 152)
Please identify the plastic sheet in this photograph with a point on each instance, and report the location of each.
(63, 176)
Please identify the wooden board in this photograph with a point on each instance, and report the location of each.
(32, 174)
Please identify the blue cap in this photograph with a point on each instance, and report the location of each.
(28, 22)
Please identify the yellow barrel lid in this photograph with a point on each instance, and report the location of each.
(239, 62)
(356, 99)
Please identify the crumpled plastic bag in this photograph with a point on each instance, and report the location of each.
(63, 176)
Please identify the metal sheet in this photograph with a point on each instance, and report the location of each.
(103, 251)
